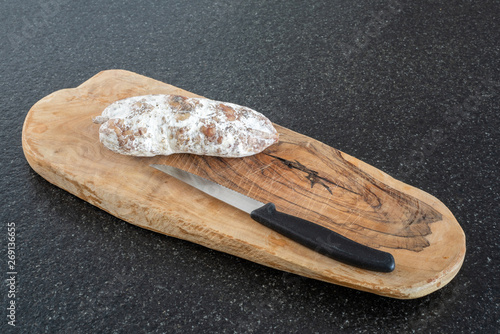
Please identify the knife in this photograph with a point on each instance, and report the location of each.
(306, 233)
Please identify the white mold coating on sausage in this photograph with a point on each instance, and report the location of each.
(152, 125)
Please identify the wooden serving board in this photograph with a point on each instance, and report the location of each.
(302, 176)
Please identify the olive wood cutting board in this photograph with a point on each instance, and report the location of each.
(302, 176)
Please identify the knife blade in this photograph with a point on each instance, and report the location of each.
(304, 232)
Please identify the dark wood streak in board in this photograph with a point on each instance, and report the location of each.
(355, 204)
(312, 175)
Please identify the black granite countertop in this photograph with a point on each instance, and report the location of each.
(410, 88)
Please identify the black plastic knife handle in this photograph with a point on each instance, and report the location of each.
(323, 240)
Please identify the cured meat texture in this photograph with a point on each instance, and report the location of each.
(166, 124)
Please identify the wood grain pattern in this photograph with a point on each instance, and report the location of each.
(300, 175)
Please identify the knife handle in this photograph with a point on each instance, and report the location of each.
(323, 240)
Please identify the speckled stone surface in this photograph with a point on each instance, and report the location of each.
(411, 88)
